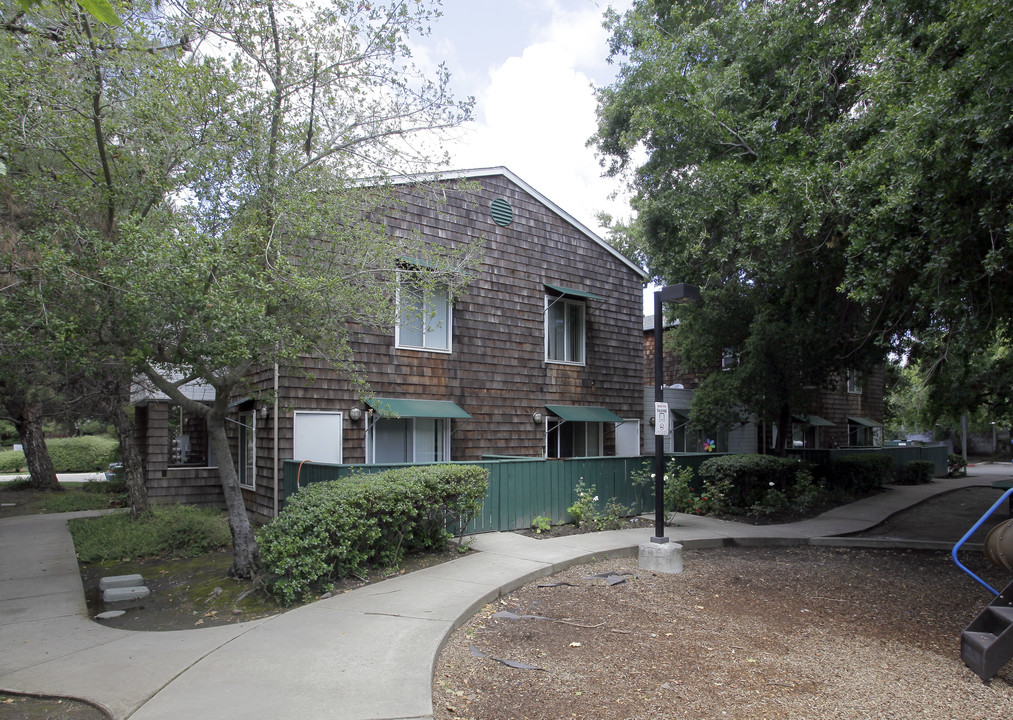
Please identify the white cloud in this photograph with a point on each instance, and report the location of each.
(536, 110)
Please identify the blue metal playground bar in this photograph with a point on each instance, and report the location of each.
(971, 532)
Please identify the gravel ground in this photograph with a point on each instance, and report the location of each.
(747, 633)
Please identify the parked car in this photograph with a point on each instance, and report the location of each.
(115, 469)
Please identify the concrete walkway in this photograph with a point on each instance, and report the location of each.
(364, 655)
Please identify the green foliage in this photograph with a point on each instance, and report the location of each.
(749, 478)
(338, 528)
(861, 473)
(541, 524)
(170, 531)
(956, 465)
(583, 509)
(769, 488)
(916, 472)
(11, 461)
(89, 453)
(837, 177)
(584, 512)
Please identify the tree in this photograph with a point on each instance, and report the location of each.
(834, 175)
(212, 166)
(737, 105)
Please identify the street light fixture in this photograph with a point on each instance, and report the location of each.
(678, 293)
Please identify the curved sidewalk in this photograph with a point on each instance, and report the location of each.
(363, 655)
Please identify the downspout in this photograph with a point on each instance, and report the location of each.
(275, 438)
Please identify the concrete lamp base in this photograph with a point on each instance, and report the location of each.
(663, 558)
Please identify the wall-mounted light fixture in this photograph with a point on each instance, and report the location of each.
(537, 417)
(355, 413)
(262, 412)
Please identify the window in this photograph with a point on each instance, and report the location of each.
(564, 331)
(574, 439)
(316, 436)
(423, 314)
(854, 382)
(247, 449)
(408, 440)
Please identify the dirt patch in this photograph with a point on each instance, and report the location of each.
(198, 592)
(796, 632)
(24, 707)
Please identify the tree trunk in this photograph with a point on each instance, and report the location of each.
(133, 468)
(783, 431)
(245, 554)
(27, 418)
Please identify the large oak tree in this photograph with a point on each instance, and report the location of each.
(835, 175)
(201, 164)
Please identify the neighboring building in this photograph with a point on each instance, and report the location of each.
(540, 356)
(850, 415)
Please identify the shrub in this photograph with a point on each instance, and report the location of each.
(747, 479)
(90, 453)
(170, 531)
(861, 473)
(11, 461)
(916, 472)
(338, 528)
(583, 510)
(956, 465)
(541, 524)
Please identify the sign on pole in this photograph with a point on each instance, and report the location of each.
(661, 418)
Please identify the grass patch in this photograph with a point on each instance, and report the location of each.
(23, 500)
(172, 531)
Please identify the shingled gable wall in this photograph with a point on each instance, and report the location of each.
(497, 371)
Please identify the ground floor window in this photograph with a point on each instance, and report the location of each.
(573, 439)
(707, 441)
(859, 435)
(188, 439)
(409, 440)
(247, 468)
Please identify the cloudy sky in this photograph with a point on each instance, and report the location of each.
(531, 65)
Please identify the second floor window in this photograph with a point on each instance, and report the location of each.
(423, 315)
(564, 331)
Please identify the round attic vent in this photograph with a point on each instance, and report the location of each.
(502, 213)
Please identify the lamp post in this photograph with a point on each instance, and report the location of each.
(678, 293)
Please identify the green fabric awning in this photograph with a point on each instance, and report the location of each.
(814, 420)
(417, 408)
(583, 413)
(864, 421)
(574, 293)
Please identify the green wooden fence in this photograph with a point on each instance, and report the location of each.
(936, 454)
(521, 489)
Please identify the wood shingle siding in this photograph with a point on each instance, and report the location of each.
(497, 371)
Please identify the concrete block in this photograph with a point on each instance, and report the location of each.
(121, 594)
(119, 581)
(663, 558)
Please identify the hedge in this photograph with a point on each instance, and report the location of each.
(89, 453)
(333, 529)
(861, 473)
(750, 476)
(916, 472)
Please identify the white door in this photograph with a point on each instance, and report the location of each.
(317, 437)
(628, 438)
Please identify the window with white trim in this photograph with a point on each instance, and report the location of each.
(247, 460)
(573, 439)
(854, 382)
(408, 440)
(565, 330)
(424, 315)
